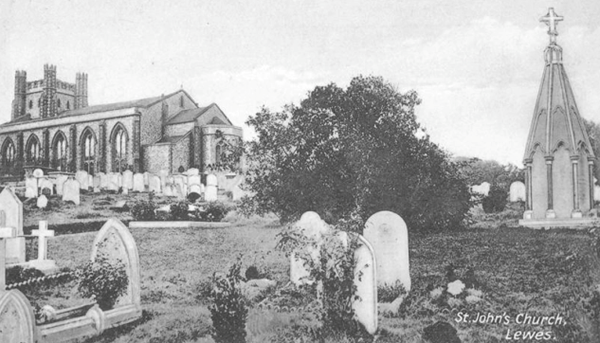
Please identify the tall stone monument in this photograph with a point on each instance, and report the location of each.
(559, 159)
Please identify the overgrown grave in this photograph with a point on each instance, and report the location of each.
(114, 261)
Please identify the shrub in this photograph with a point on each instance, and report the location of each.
(192, 197)
(252, 273)
(179, 211)
(104, 279)
(389, 293)
(214, 211)
(496, 200)
(143, 211)
(228, 311)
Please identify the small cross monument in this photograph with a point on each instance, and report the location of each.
(551, 19)
(42, 263)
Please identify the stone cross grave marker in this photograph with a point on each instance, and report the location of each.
(210, 194)
(387, 233)
(517, 191)
(365, 279)
(43, 263)
(313, 228)
(71, 191)
(12, 217)
(138, 182)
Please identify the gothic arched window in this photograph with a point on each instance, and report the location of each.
(88, 146)
(59, 148)
(68, 105)
(33, 150)
(30, 104)
(8, 155)
(120, 141)
(58, 103)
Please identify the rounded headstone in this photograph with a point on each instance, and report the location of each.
(38, 173)
(42, 201)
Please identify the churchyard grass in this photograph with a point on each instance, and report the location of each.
(517, 270)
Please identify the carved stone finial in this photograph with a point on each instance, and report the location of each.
(551, 19)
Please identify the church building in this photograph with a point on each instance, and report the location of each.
(559, 158)
(53, 128)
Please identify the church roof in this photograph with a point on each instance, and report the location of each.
(189, 115)
(114, 106)
(556, 119)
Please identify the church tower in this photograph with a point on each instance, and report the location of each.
(559, 159)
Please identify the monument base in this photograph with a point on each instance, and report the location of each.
(575, 223)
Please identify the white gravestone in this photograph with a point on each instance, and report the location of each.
(31, 187)
(11, 219)
(17, 321)
(387, 233)
(43, 263)
(195, 189)
(483, 189)
(146, 179)
(71, 191)
(154, 184)
(38, 173)
(128, 179)
(96, 183)
(365, 280)
(210, 194)
(193, 171)
(168, 190)
(517, 191)
(82, 177)
(103, 180)
(313, 228)
(60, 182)
(42, 201)
(113, 181)
(138, 182)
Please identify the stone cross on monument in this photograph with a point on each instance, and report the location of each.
(42, 263)
(551, 19)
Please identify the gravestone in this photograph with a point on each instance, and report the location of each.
(181, 181)
(96, 182)
(113, 181)
(597, 193)
(146, 179)
(119, 180)
(115, 242)
(38, 173)
(82, 177)
(163, 174)
(47, 184)
(195, 188)
(60, 182)
(210, 194)
(31, 187)
(168, 190)
(90, 181)
(365, 280)
(154, 184)
(42, 201)
(17, 321)
(517, 191)
(192, 171)
(193, 180)
(71, 191)
(103, 180)
(483, 189)
(138, 182)
(387, 233)
(312, 227)
(11, 225)
(43, 263)
(128, 179)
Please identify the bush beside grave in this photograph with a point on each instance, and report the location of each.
(228, 311)
(103, 279)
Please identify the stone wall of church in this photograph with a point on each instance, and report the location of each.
(181, 153)
(157, 157)
(209, 141)
(179, 129)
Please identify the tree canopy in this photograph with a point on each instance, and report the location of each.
(353, 151)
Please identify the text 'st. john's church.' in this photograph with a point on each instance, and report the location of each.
(53, 127)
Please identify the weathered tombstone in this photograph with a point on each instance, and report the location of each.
(11, 225)
(71, 191)
(193, 171)
(128, 179)
(138, 182)
(116, 244)
(17, 321)
(42, 201)
(195, 188)
(154, 184)
(60, 181)
(193, 180)
(210, 193)
(96, 182)
(168, 190)
(113, 178)
(517, 191)
(119, 180)
(146, 179)
(483, 189)
(163, 178)
(179, 192)
(82, 177)
(103, 180)
(387, 233)
(47, 184)
(313, 228)
(31, 187)
(43, 263)
(365, 280)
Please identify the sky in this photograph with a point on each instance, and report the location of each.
(476, 64)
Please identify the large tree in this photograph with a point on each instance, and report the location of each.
(353, 151)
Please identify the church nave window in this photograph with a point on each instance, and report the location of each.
(120, 150)
(89, 152)
(8, 156)
(59, 160)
